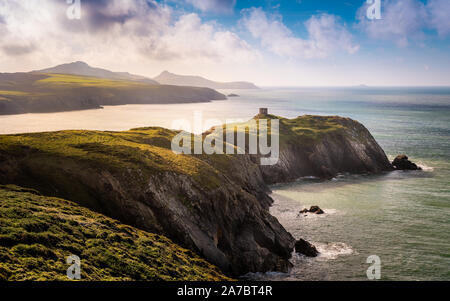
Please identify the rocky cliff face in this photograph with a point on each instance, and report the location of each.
(324, 146)
(215, 205)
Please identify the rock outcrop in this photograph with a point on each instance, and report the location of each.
(215, 205)
(325, 146)
(401, 162)
(305, 248)
(313, 209)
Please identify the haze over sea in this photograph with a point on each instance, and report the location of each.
(403, 217)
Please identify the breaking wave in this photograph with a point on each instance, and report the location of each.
(333, 250)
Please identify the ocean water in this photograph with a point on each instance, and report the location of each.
(402, 217)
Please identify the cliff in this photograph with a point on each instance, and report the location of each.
(325, 146)
(215, 205)
(38, 233)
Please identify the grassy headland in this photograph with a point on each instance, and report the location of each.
(39, 93)
(215, 205)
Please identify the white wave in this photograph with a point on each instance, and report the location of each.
(333, 250)
(425, 167)
(307, 178)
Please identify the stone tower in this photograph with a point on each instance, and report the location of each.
(263, 111)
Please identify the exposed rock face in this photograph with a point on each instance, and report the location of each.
(313, 209)
(305, 248)
(217, 206)
(401, 162)
(344, 146)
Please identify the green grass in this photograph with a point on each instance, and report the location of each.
(306, 129)
(147, 150)
(37, 234)
(13, 93)
(310, 127)
(66, 80)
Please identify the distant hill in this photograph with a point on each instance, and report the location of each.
(167, 78)
(83, 69)
(42, 93)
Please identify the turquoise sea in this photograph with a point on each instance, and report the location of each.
(402, 217)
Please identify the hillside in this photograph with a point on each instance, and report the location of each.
(41, 93)
(38, 233)
(167, 78)
(83, 69)
(215, 205)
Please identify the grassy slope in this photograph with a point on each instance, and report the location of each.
(302, 130)
(59, 81)
(25, 93)
(147, 149)
(38, 233)
(66, 80)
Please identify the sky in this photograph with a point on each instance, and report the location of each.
(268, 42)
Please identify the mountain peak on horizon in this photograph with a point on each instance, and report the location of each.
(168, 78)
(84, 69)
(81, 63)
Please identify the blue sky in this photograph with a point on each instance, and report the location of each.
(269, 42)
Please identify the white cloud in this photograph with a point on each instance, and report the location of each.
(439, 13)
(401, 21)
(404, 21)
(112, 30)
(326, 35)
(218, 6)
(201, 40)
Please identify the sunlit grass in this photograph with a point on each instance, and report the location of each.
(13, 93)
(66, 80)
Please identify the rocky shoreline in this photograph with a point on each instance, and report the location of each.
(217, 206)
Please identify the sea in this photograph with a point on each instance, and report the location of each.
(400, 218)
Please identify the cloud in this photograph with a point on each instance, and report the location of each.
(18, 50)
(113, 29)
(439, 11)
(404, 21)
(217, 6)
(199, 40)
(326, 35)
(401, 21)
